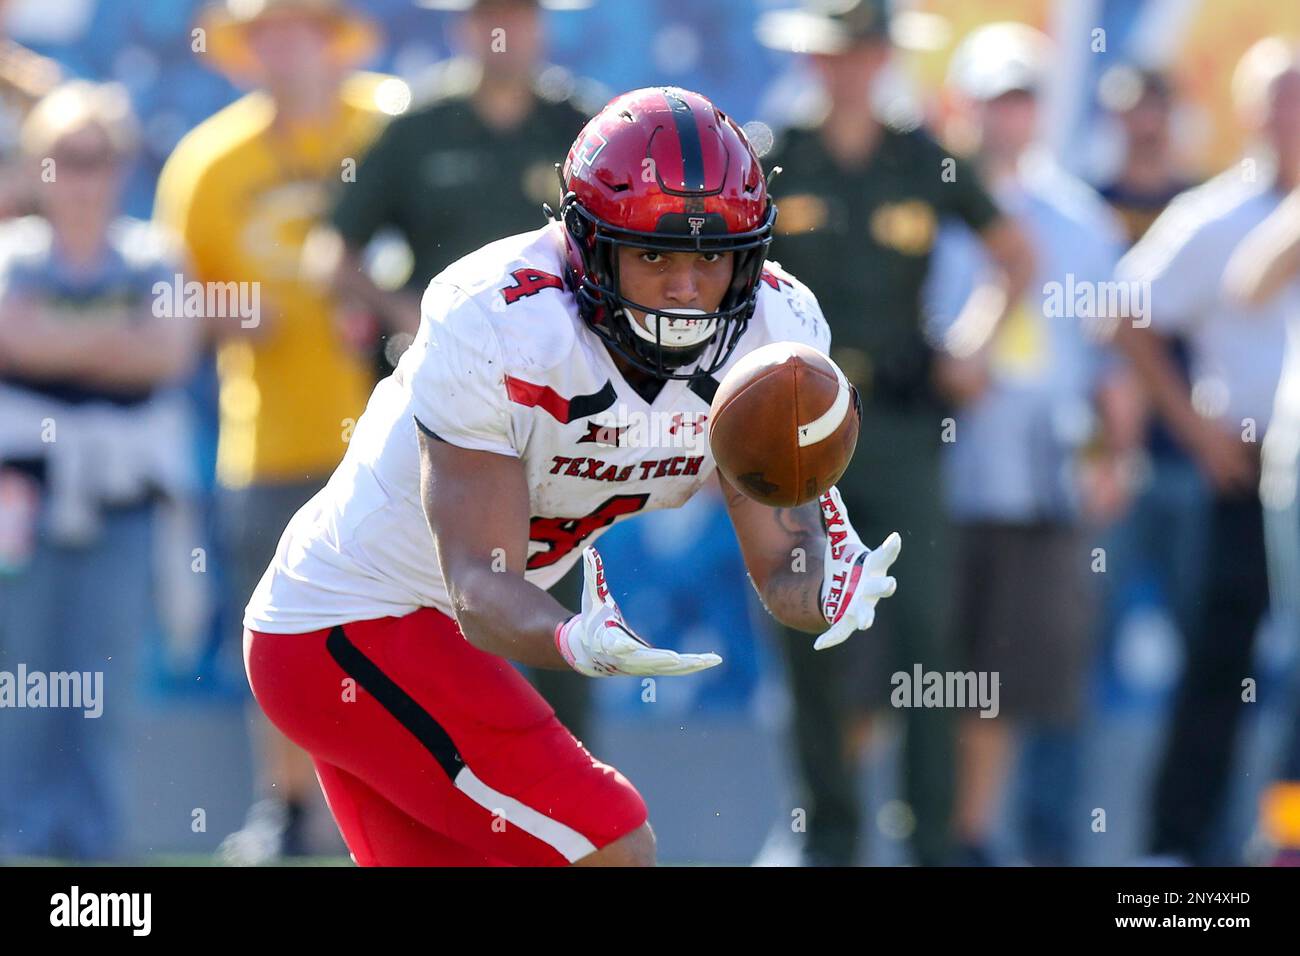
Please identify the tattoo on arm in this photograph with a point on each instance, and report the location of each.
(791, 580)
(801, 523)
(794, 596)
(791, 597)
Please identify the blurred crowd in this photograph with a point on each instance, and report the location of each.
(1077, 386)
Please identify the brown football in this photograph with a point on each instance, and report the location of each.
(783, 424)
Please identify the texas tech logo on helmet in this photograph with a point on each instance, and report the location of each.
(591, 147)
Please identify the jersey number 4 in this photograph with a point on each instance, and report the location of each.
(529, 282)
(562, 535)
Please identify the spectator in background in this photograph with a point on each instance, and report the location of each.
(243, 190)
(1021, 607)
(1236, 359)
(24, 78)
(473, 164)
(90, 439)
(1163, 534)
(1265, 267)
(1148, 178)
(860, 201)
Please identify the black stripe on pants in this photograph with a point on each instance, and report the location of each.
(396, 701)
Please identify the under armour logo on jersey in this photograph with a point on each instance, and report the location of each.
(697, 223)
(679, 421)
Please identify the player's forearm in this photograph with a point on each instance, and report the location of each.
(503, 614)
(793, 597)
(476, 505)
(783, 549)
(792, 574)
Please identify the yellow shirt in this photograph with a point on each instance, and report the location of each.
(243, 199)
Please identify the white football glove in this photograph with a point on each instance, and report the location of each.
(599, 643)
(854, 578)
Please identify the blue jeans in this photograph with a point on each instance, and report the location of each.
(63, 775)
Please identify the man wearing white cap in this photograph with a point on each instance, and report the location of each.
(1013, 488)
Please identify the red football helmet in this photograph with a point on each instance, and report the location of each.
(663, 168)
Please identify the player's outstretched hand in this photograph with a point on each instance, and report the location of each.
(599, 643)
(855, 576)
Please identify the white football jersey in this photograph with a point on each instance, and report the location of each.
(503, 363)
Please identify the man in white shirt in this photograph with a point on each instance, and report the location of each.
(1236, 360)
(1266, 269)
(1025, 407)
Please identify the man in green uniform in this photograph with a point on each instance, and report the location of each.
(472, 165)
(860, 203)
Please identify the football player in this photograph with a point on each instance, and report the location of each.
(519, 427)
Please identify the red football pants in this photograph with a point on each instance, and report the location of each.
(433, 753)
